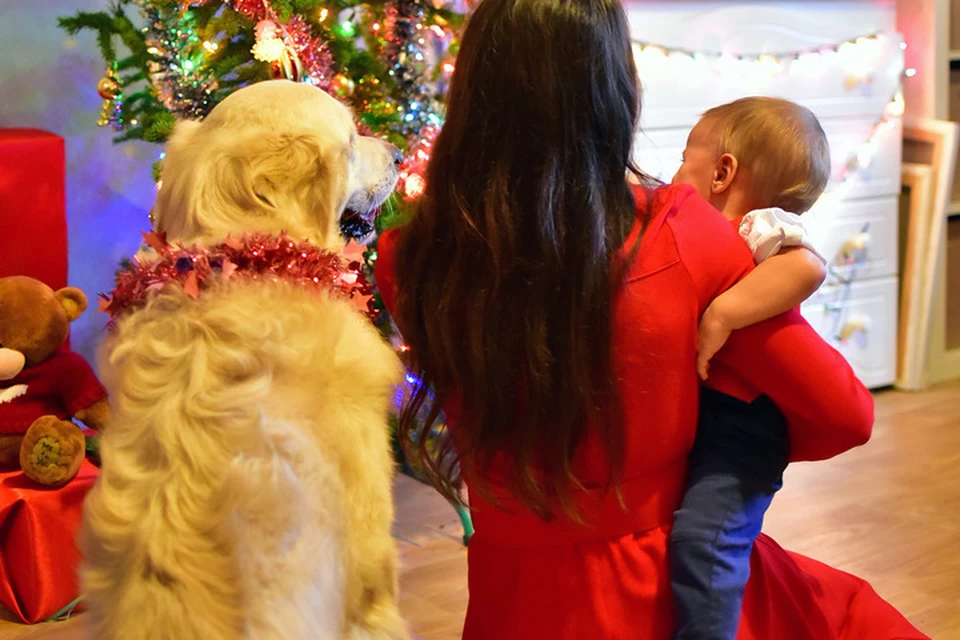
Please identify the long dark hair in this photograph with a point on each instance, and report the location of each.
(506, 274)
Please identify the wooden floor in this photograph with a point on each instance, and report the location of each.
(889, 512)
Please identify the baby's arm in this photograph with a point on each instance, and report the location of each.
(787, 273)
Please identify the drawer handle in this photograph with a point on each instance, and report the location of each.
(853, 326)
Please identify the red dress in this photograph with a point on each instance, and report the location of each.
(609, 580)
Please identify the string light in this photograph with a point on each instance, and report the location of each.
(858, 55)
(860, 159)
(414, 186)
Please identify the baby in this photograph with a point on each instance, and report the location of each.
(761, 162)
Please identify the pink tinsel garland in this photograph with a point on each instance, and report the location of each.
(313, 55)
(254, 256)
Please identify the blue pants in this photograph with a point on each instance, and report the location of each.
(736, 466)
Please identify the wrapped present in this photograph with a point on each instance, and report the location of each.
(38, 550)
(33, 221)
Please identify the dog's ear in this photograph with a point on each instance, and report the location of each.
(282, 165)
(295, 179)
(218, 182)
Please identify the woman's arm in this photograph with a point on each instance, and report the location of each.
(828, 409)
(777, 285)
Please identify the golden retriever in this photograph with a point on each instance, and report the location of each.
(246, 481)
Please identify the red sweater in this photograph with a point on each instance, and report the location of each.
(558, 580)
(61, 386)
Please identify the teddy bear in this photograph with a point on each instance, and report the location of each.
(43, 385)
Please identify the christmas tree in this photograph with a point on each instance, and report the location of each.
(170, 59)
(388, 60)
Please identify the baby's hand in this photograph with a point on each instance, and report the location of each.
(711, 337)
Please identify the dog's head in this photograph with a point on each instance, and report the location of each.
(274, 156)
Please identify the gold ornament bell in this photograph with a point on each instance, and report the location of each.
(108, 87)
(344, 85)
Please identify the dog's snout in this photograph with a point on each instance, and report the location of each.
(397, 156)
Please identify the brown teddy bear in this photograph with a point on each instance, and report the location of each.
(43, 384)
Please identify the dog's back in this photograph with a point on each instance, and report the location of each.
(246, 484)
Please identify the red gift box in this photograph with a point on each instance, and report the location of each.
(33, 223)
(38, 549)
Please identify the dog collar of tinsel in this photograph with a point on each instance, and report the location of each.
(252, 257)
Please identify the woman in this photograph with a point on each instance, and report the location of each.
(554, 309)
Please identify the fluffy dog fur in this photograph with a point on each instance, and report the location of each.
(246, 483)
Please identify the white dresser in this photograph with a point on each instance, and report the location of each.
(848, 82)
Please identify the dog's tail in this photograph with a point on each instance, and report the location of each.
(201, 513)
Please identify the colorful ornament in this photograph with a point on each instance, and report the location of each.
(268, 50)
(344, 85)
(111, 112)
(291, 49)
(109, 87)
(269, 45)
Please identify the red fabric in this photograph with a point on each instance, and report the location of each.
(33, 223)
(530, 579)
(38, 552)
(61, 386)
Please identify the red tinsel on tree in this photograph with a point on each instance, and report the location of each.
(253, 9)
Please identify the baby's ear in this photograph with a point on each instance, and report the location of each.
(73, 300)
(724, 173)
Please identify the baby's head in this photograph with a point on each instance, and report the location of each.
(756, 153)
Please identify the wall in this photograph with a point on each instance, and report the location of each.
(916, 20)
(48, 80)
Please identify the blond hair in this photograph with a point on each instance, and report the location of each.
(780, 144)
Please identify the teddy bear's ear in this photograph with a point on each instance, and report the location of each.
(73, 300)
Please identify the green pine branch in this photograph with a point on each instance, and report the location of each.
(99, 22)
